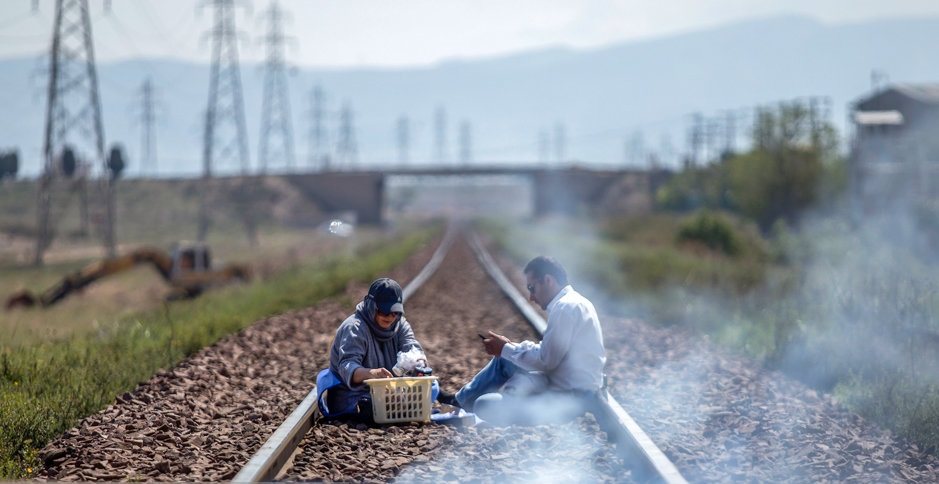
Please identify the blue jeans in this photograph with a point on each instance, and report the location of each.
(489, 380)
(481, 396)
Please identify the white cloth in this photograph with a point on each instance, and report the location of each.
(571, 353)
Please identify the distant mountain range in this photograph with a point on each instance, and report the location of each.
(608, 102)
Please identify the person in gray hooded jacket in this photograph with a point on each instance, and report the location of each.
(366, 346)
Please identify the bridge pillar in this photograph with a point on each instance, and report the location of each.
(361, 193)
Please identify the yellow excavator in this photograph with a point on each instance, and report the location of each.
(187, 269)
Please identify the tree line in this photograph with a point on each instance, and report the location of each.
(793, 164)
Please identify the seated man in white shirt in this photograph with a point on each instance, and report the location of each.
(555, 380)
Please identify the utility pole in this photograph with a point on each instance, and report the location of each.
(346, 151)
(560, 142)
(712, 130)
(694, 139)
(148, 159)
(544, 146)
(819, 112)
(666, 152)
(466, 142)
(226, 107)
(72, 105)
(319, 156)
(275, 109)
(730, 133)
(440, 135)
(404, 139)
(879, 79)
(635, 149)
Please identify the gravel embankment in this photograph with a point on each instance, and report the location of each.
(719, 417)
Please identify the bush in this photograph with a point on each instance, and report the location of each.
(712, 231)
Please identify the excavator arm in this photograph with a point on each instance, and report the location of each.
(91, 273)
(186, 271)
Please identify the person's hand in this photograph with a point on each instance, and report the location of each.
(361, 374)
(494, 343)
(380, 373)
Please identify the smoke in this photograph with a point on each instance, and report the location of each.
(851, 310)
(542, 454)
(868, 308)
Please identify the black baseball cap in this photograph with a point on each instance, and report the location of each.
(387, 295)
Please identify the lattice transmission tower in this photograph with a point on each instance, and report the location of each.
(276, 132)
(225, 139)
(403, 134)
(440, 136)
(466, 142)
(319, 157)
(148, 158)
(347, 151)
(73, 130)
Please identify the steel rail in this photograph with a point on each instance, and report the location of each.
(648, 462)
(636, 448)
(271, 458)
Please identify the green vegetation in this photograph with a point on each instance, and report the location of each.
(47, 387)
(732, 254)
(850, 316)
(793, 166)
(712, 231)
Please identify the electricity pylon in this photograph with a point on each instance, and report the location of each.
(440, 135)
(347, 149)
(73, 129)
(225, 110)
(466, 142)
(403, 131)
(275, 105)
(148, 159)
(319, 154)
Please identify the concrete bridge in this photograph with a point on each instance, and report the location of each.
(568, 190)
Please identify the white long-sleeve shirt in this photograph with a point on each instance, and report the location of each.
(571, 353)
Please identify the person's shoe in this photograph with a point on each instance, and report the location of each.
(448, 398)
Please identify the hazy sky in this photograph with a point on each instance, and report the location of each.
(414, 32)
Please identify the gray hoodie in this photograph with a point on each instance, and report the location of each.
(361, 342)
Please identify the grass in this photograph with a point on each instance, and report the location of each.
(48, 386)
(140, 287)
(150, 212)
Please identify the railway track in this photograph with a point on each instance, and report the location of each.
(639, 453)
(718, 417)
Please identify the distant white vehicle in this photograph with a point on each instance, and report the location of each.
(340, 228)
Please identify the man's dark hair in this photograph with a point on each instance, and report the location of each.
(541, 265)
